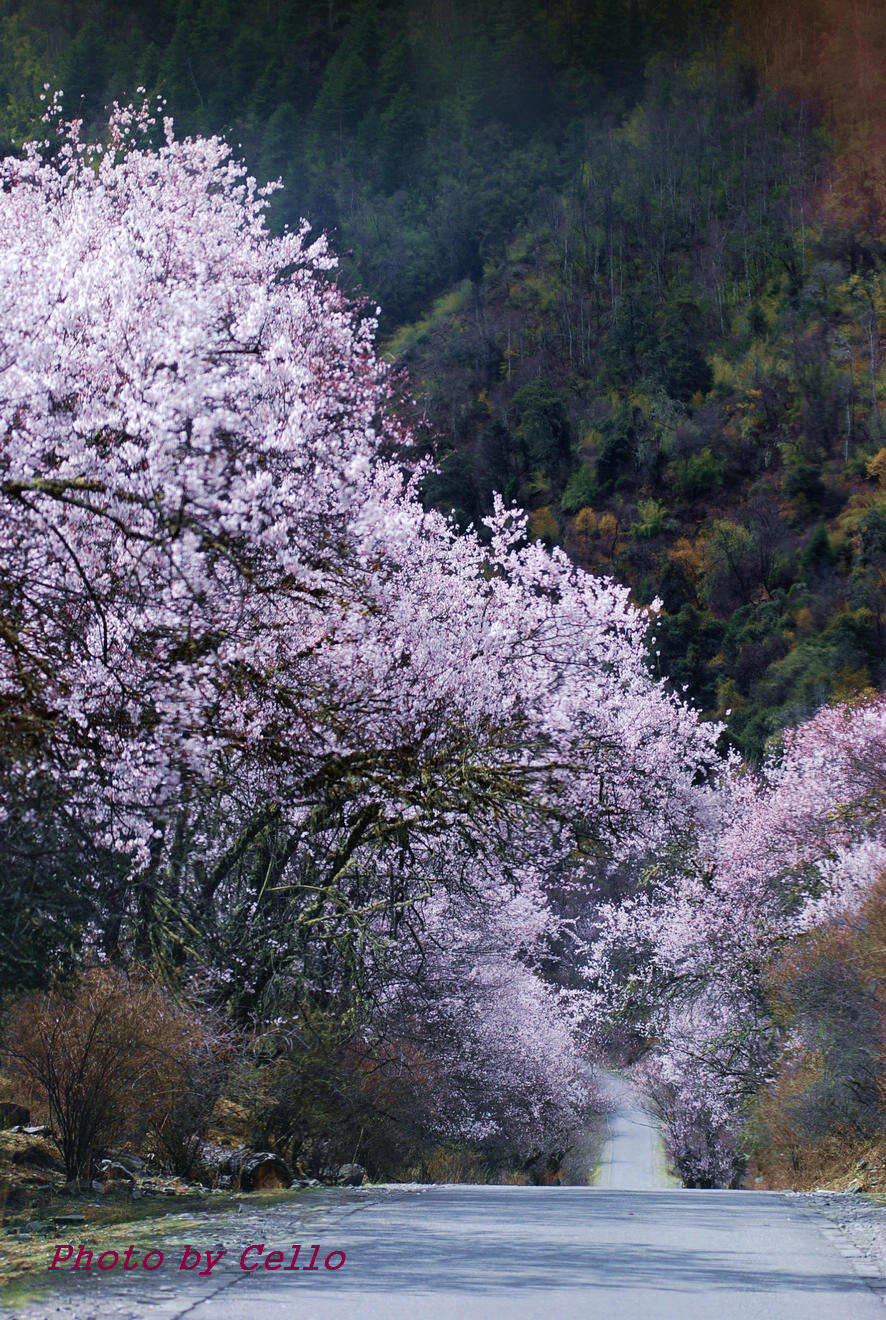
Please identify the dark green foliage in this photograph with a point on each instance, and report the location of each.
(44, 913)
(688, 640)
(818, 556)
(541, 428)
(618, 452)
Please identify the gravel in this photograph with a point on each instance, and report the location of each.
(856, 1225)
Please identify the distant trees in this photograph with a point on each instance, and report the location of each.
(744, 960)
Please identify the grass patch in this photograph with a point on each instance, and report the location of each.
(109, 1225)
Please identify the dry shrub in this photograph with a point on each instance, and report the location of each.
(828, 1094)
(196, 1070)
(448, 1164)
(111, 1057)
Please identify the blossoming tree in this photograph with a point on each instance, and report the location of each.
(256, 703)
(783, 854)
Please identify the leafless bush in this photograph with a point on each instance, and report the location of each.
(111, 1058)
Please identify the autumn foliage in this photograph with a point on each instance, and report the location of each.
(834, 56)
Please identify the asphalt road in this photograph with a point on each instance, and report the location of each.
(549, 1253)
(614, 1251)
(633, 1157)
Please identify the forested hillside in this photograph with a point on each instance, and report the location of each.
(613, 249)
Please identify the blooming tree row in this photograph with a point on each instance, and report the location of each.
(269, 723)
(783, 855)
(264, 718)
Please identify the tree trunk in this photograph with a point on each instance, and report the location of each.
(249, 1170)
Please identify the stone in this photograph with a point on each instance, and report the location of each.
(12, 1115)
(350, 1175)
(134, 1163)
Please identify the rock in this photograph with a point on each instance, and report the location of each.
(62, 1221)
(12, 1115)
(39, 1158)
(37, 1130)
(112, 1186)
(135, 1193)
(169, 1191)
(350, 1175)
(225, 1182)
(855, 1186)
(134, 1163)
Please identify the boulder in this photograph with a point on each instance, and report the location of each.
(350, 1175)
(38, 1157)
(134, 1163)
(12, 1115)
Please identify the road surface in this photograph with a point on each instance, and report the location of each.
(621, 1250)
(633, 1157)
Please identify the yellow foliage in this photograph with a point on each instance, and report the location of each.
(687, 556)
(641, 400)
(635, 129)
(877, 468)
(409, 336)
(848, 683)
(543, 525)
(585, 522)
(723, 371)
(608, 529)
